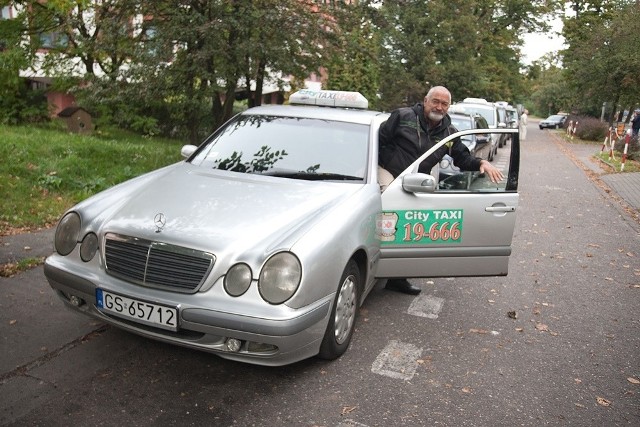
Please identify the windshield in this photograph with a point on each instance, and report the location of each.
(554, 118)
(290, 147)
(485, 111)
(462, 123)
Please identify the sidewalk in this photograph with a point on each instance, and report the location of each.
(625, 185)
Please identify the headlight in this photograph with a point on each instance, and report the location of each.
(280, 278)
(237, 280)
(89, 247)
(67, 233)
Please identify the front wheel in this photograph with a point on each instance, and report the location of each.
(343, 314)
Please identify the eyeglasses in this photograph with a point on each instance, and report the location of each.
(436, 102)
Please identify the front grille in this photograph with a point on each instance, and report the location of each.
(156, 264)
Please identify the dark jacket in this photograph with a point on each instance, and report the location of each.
(406, 135)
(635, 123)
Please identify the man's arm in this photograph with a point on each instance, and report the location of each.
(495, 175)
(465, 161)
(387, 129)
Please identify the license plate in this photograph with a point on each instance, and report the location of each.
(160, 316)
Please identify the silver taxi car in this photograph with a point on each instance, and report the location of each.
(262, 244)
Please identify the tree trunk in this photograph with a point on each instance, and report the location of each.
(259, 83)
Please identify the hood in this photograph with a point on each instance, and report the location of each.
(215, 210)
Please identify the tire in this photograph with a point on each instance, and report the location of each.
(343, 314)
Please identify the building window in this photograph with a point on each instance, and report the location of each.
(53, 40)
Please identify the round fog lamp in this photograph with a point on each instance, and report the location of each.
(233, 345)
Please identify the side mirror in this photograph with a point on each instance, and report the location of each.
(187, 150)
(419, 183)
(482, 139)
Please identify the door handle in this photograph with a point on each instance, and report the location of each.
(500, 209)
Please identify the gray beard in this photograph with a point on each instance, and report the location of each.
(435, 116)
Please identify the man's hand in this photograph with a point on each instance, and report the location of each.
(495, 175)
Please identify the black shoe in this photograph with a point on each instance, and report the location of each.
(402, 285)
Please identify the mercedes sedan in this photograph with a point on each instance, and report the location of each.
(262, 243)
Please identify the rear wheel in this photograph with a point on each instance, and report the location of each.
(343, 314)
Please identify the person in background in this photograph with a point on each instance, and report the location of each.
(635, 124)
(407, 134)
(522, 126)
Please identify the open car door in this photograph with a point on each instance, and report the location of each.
(461, 226)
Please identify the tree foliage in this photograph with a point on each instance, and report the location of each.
(353, 63)
(602, 62)
(472, 47)
(180, 67)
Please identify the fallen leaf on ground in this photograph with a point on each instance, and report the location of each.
(466, 389)
(602, 401)
(348, 409)
(512, 314)
(542, 327)
(12, 322)
(580, 406)
(478, 331)
(633, 380)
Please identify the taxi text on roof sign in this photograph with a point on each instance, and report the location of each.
(329, 98)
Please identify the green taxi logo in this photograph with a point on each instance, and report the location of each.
(419, 227)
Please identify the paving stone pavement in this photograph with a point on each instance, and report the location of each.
(626, 185)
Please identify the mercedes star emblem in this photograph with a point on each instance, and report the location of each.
(160, 220)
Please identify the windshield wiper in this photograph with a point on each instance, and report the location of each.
(312, 176)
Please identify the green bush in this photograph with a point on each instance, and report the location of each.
(589, 128)
(25, 106)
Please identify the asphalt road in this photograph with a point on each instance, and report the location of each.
(556, 342)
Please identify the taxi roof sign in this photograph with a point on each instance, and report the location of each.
(329, 98)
